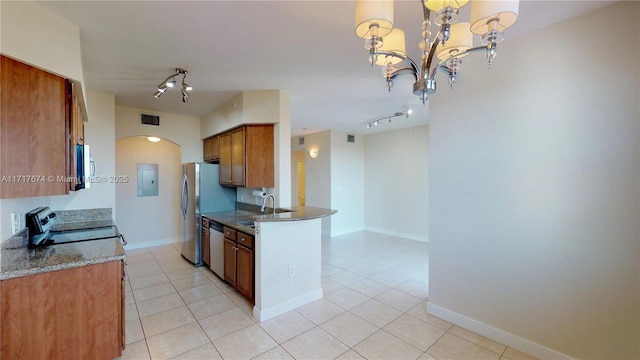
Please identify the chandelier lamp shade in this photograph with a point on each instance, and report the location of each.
(453, 41)
(171, 82)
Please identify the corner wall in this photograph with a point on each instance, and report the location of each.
(396, 182)
(534, 191)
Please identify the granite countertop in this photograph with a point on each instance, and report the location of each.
(296, 213)
(18, 260)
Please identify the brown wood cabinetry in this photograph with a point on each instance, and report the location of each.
(247, 156)
(33, 138)
(239, 261)
(74, 313)
(225, 158)
(211, 149)
(206, 242)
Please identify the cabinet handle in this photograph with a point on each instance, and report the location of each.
(242, 239)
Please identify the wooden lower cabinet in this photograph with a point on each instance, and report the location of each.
(230, 262)
(74, 313)
(244, 271)
(239, 262)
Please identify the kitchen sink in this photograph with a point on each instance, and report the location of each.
(248, 223)
(279, 210)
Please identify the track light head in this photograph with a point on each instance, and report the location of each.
(171, 82)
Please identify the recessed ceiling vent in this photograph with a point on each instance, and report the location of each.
(351, 138)
(301, 140)
(146, 119)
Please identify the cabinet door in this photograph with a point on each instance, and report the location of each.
(244, 280)
(230, 262)
(206, 246)
(237, 157)
(259, 156)
(65, 314)
(211, 149)
(225, 159)
(33, 141)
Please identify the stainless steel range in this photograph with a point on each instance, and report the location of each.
(40, 223)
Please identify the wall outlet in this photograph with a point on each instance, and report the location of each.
(292, 270)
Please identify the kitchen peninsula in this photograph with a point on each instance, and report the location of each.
(287, 253)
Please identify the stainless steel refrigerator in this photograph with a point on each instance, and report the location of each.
(201, 193)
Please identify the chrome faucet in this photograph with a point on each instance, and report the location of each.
(273, 201)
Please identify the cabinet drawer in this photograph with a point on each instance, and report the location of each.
(205, 223)
(230, 233)
(244, 239)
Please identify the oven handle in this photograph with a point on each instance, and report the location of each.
(122, 238)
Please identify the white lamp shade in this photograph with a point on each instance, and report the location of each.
(370, 12)
(461, 39)
(394, 42)
(505, 11)
(437, 5)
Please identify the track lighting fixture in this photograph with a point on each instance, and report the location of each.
(171, 82)
(388, 117)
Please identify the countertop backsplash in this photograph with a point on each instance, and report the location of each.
(64, 216)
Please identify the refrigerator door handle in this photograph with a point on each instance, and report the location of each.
(185, 196)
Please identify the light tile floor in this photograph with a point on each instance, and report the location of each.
(375, 291)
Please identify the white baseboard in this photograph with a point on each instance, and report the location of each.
(348, 231)
(527, 347)
(265, 314)
(422, 238)
(146, 244)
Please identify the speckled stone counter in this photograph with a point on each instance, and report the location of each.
(18, 260)
(296, 213)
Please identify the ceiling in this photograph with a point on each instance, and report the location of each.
(308, 48)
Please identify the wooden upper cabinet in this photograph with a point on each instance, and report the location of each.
(237, 157)
(33, 131)
(211, 149)
(225, 158)
(247, 156)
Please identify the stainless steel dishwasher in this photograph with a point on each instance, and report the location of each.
(216, 249)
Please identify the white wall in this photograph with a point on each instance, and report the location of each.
(148, 220)
(396, 182)
(318, 175)
(534, 191)
(38, 37)
(347, 183)
(155, 220)
(180, 129)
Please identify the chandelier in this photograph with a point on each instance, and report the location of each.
(171, 82)
(454, 40)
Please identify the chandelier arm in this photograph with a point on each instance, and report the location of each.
(413, 64)
(442, 64)
(403, 70)
(426, 65)
(169, 77)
